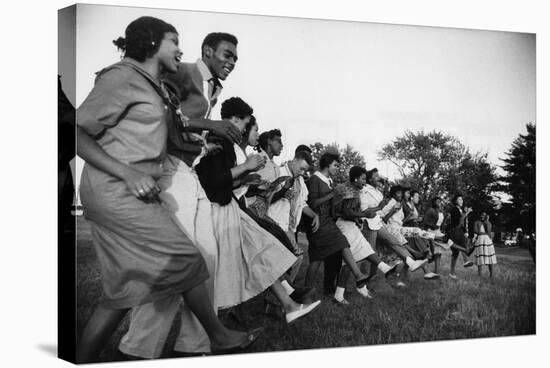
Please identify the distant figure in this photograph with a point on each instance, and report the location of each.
(527, 242)
(484, 249)
(459, 234)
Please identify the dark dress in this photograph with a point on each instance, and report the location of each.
(328, 239)
(458, 227)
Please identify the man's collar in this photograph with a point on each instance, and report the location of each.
(206, 74)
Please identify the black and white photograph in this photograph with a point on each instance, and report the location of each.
(234, 183)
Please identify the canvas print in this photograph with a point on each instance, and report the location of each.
(235, 184)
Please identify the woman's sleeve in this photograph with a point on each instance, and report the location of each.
(406, 210)
(313, 189)
(107, 102)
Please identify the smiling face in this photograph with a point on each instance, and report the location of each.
(374, 179)
(222, 60)
(416, 198)
(360, 181)
(169, 53)
(406, 195)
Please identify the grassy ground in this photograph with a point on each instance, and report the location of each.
(445, 309)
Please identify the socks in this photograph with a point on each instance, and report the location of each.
(382, 266)
(339, 293)
(289, 289)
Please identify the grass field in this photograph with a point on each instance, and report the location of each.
(423, 311)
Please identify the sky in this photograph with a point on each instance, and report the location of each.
(354, 83)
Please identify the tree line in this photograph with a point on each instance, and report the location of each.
(439, 164)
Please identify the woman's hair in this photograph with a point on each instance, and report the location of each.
(455, 198)
(370, 173)
(328, 158)
(248, 127)
(355, 173)
(235, 107)
(143, 37)
(395, 189)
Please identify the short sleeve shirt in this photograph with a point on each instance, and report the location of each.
(126, 116)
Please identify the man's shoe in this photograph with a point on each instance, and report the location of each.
(343, 302)
(415, 265)
(468, 264)
(365, 293)
(431, 276)
(304, 310)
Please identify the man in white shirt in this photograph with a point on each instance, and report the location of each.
(290, 202)
(372, 201)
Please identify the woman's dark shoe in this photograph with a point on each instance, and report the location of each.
(244, 344)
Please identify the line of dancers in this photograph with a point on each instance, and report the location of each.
(187, 221)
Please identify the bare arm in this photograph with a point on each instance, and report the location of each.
(252, 163)
(222, 128)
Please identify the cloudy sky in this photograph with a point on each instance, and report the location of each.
(349, 82)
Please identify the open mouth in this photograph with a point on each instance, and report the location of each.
(178, 59)
(227, 69)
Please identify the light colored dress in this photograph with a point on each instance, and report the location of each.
(350, 204)
(142, 253)
(484, 248)
(250, 259)
(395, 222)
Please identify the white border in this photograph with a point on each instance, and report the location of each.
(29, 268)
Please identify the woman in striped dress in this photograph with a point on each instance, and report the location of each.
(484, 249)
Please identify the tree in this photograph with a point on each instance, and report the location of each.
(520, 179)
(438, 164)
(475, 178)
(423, 159)
(348, 157)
